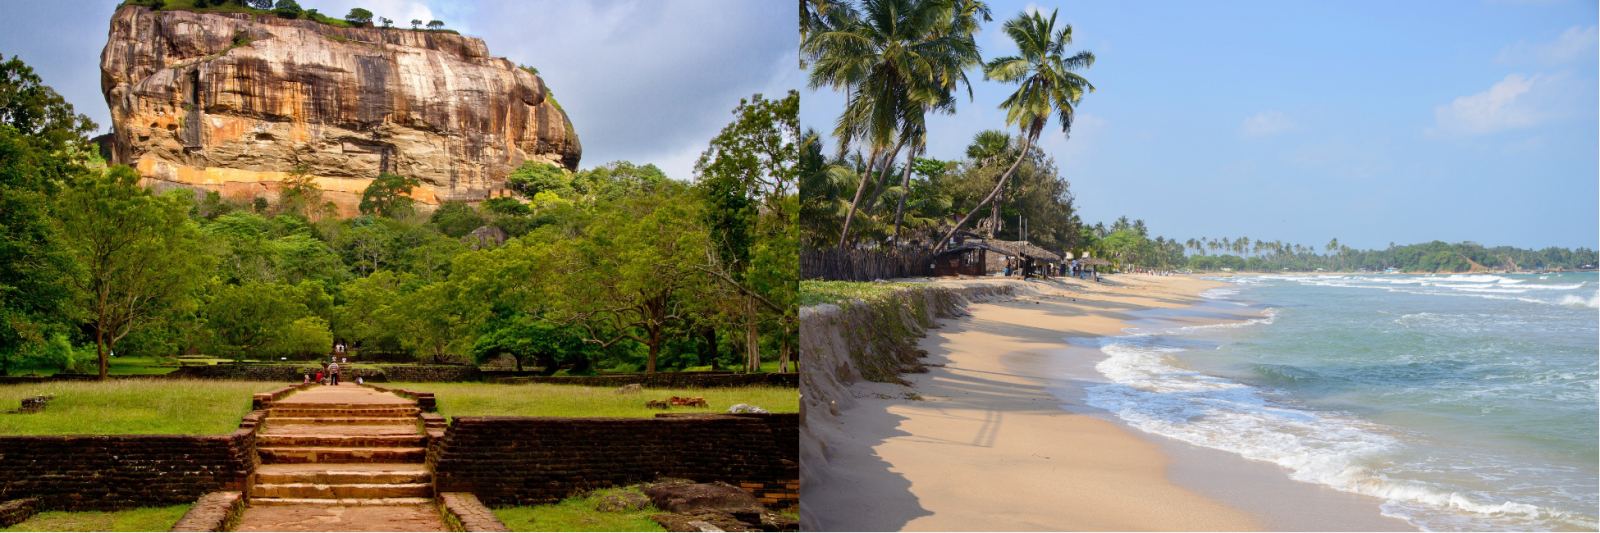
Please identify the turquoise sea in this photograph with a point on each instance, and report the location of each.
(1467, 402)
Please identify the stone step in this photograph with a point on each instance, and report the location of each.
(363, 491)
(337, 476)
(344, 420)
(340, 441)
(309, 411)
(341, 455)
(329, 474)
(340, 431)
(347, 502)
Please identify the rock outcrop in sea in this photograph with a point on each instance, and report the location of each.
(233, 102)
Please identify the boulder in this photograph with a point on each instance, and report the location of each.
(622, 501)
(232, 102)
(683, 498)
(481, 237)
(746, 408)
(631, 388)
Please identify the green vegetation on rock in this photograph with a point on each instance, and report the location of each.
(612, 266)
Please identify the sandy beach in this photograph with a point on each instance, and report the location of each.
(989, 447)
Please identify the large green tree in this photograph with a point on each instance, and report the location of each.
(137, 255)
(637, 272)
(747, 178)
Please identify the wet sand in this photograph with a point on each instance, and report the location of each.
(993, 446)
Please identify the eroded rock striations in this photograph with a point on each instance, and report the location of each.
(233, 102)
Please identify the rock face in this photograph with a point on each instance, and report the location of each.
(234, 102)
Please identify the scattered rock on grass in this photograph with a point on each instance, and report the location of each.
(696, 401)
(657, 404)
(631, 388)
(746, 408)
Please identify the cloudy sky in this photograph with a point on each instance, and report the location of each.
(1369, 121)
(643, 80)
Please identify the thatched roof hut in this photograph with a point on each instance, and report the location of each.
(976, 245)
(1093, 261)
(1024, 249)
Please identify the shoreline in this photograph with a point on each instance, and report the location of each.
(1004, 408)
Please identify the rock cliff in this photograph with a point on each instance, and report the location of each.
(233, 102)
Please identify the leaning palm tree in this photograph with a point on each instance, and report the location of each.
(892, 60)
(1048, 86)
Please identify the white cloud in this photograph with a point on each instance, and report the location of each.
(1511, 103)
(1267, 123)
(1575, 44)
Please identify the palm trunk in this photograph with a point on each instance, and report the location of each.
(1003, 177)
(905, 190)
(845, 233)
(883, 175)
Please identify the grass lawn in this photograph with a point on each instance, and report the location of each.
(538, 399)
(577, 514)
(130, 407)
(141, 519)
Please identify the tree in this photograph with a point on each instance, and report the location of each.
(387, 22)
(245, 319)
(435, 24)
(747, 177)
(33, 298)
(893, 61)
(137, 254)
(525, 338)
(616, 180)
(387, 196)
(38, 113)
(535, 177)
(301, 194)
(628, 280)
(430, 320)
(358, 17)
(287, 9)
(1048, 86)
(416, 23)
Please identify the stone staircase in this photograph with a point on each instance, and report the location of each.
(333, 446)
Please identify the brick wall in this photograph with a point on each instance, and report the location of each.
(104, 472)
(521, 460)
(667, 380)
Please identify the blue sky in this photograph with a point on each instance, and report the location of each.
(642, 80)
(1370, 122)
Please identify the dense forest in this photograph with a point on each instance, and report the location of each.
(1128, 243)
(613, 267)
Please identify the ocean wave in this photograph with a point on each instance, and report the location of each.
(1151, 391)
(1578, 302)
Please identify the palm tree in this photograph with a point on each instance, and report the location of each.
(1048, 86)
(894, 60)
